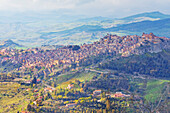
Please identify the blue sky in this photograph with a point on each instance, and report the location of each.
(117, 8)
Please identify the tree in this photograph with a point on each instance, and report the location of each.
(29, 107)
(108, 104)
(49, 95)
(103, 95)
(81, 85)
(34, 81)
(76, 47)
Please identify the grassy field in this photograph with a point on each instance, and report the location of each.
(151, 90)
(66, 79)
(154, 89)
(12, 101)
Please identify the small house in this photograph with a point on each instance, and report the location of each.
(97, 92)
(71, 105)
(70, 86)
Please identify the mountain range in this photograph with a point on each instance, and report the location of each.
(75, 29)
(158, 27)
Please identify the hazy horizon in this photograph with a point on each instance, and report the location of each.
(39, 22)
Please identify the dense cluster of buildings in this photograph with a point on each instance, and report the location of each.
(110, 44)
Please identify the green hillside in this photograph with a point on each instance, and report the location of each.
(153, 64)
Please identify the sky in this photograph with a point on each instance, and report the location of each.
(117, 8)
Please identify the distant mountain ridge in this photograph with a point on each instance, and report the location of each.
(138, 18)
(8, 43)
(155, 14)
(159, 27)
(98, 18)
(51, 31)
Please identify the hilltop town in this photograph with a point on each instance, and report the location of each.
(74, 78)
(112, 45)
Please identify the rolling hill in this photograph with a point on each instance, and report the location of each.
(150, 64)
(159, 27)
(9, 43)
(64, 29)
(145, 16)
(91, 32)
(152, 16)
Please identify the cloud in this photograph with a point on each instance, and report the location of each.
(88, 7)
(119, 8)
(24, 5)
(34, 5)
